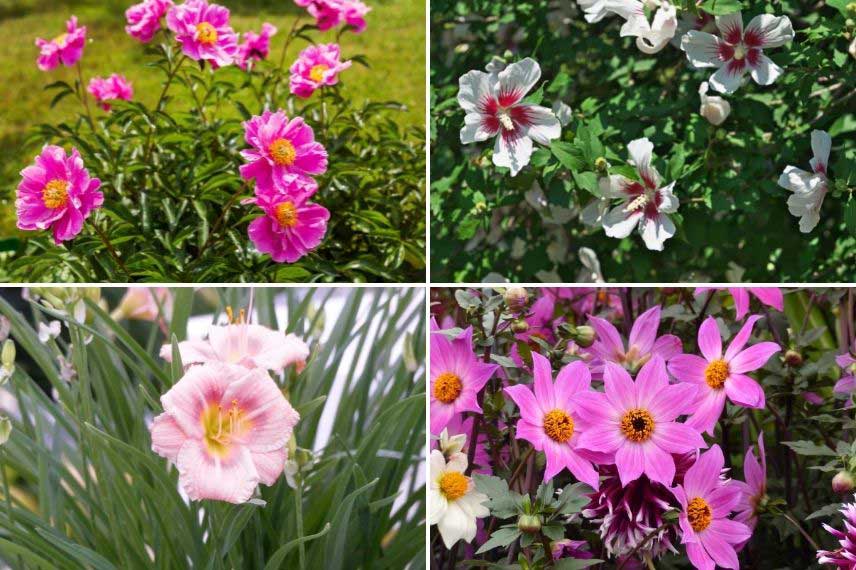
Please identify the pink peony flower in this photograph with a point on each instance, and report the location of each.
(549, 420)
(144, 18)
(66, 48)
(845, 556)
(110, 88)
(754, 489)
(255, 47)
(706, 502)
(281, 147)
(457, 376)
(641, 346)
(717, 376)
(250, 346)
(769, 296)
(636, 421)
(330, 13)
(291, 226)
(57, 192)
(204, 32)
(316, 66)
(226, 429)
(144, 303)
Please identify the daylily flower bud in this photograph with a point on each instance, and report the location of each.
(793, 358)
(529, 523)
(584, 336)
(843, 482)
(7, 356)
(5, 429)
(519, 326)
(516, 298)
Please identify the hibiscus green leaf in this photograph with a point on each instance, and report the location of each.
(535, 97)
(568, 155)
(721, 7)
(850, 215)
(841, 5)
(500, 538)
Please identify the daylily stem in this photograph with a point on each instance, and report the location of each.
(298, 507)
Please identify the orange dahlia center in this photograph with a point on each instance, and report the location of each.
(716, 374)
(206, 34)
(558, 425)
(699, 514)
(282, 152)
(454, 485)
(447, 387)
(637, 424)
(316, 74)
(55, 193)
(286, 214)
(221, 426)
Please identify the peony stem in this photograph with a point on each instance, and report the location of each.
(81, 92)
(288, 40)
(106, 241)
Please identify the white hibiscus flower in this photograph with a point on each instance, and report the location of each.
(595, 10)
(644, 204)
(652, 36)
(494, 106)
(739, 50)
(453, 503)
(809, 188)
(714, 109)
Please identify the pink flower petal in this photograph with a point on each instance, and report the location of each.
(630, 461)
(525, 400)
(753, 357)
(659, 465)
(205, 476)
(650, 380)
(740, 339)
(668, 346)
(704, 474)
(688, 368)
(440, 415)
(533, 433)
(581, 469)
(717, 548)
(269, 465)
(770, 296)
(620, 390)
(677, 438)
(698, 556)
(709, 408)
(741, 301)
(200, 387)
(744, 391)
(543, 373)
(573, 378)
(723, 499)
(609, 342)
(644, 331)
(271, 417)
(605, 439)
(709, 340)
(167, 436)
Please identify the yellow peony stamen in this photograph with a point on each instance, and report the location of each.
(286, 214)
(282, 152)
(206, 34)
(316, 74)
(55, 193)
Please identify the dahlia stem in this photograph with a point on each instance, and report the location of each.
(790, 518)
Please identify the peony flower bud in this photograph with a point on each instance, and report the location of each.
(516, 298)
(714, 109)
(529, 523)
(843, 482)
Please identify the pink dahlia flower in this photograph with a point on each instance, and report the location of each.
(144, 18)
(847, 383)
(281, 147)
(204, 32)
(110, 89)
(226, 429)
(56, 192)
(549, 420)
(642, 345)
(636, 421)
(739, 50)
(291, 227)
(706, 503)
(644, 204)
(845, 556)
(255, 47)
(769, 296)
(316, 66)
(494, 107)
(457, 376)
(717, 376)
(574, 549)
(754, 489)
(250, 346)
(66, 48)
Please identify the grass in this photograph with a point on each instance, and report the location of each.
(394, 44)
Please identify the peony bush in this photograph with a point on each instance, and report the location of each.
(642, 428)
(211, 428)
(300, 184)
(736, 117)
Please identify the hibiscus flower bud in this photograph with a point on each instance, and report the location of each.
(714, 109)
(516, 298)
(793, 358)
(519, 326)
(601, 164)
(843, 482)
(529, 523)
(851, 8)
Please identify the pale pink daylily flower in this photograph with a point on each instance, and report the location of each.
(145, 304)
(809, 188)
(226, 428)
(644, 204)
(652, 36)
(739, 50)
(250, 346)
(495, 108)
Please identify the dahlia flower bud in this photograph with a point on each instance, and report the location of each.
(529, 523)
(714, 109)
(843, 482)
(584, 336)
(793, 358)
(516, 298)
(519, 326)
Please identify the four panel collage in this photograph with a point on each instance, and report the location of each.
(411, 284)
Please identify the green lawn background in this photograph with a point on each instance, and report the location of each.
(394, 43)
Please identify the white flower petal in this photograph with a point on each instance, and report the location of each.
(475, 129)
(456, 525)
(563, 112)
(640, 152)
(725, 81)
(595, 10)
(661, 32)
(765, 72)
(612, 186)
(619, 224)
(821, 144)
(702, 49)
(513, 154)
(437, 505)
(473, 86)
(519, 77)
(544, 125)
(731, 26)
(668, 201)
(797, 180)
(627, 9)
(655, 231)
(592, 214)
(774, 31)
